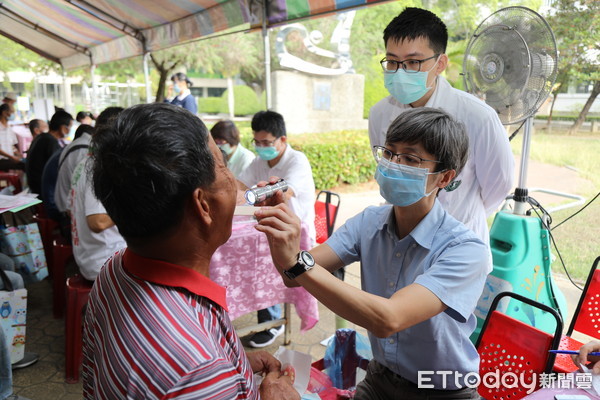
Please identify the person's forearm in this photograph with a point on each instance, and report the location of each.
(372, 312)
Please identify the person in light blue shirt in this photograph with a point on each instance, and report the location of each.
(422, 271)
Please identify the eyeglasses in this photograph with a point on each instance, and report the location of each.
(411, 160)
(263, 143)
(410, 66)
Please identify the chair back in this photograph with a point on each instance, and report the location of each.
(586, 318)
(10, 178)
(325, 214)
(514, 351)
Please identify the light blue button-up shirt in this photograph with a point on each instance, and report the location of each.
(440, 254)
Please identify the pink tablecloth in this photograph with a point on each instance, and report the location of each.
(244, 266)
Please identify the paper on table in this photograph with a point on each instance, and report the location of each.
(17, 203)
(300, 363)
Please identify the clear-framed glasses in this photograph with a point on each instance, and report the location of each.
(381, 153)
(263, 143)
(410, 66)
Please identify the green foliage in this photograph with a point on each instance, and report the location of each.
(211, 105)
(246, 101)
(337, 157)
(567, 117)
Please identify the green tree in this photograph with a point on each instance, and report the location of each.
(576, 26)
(17, 57)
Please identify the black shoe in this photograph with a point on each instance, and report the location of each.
(27, 360)
(265, 338)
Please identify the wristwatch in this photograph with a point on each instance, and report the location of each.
(305, 263)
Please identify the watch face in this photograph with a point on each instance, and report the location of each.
(307, 258)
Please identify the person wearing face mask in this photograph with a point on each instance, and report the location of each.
(227, 138)
(43, 146)
(420, 271)
(415, 58)
(180, 94)
(277, 158)
(10, 156)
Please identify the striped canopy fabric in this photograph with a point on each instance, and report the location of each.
(78, 33)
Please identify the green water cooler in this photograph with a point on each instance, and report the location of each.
(521, 256)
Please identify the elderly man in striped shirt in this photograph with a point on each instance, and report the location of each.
(156, 326)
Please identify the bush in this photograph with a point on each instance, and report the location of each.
(245, 101)
(211, 105)
(337, 157)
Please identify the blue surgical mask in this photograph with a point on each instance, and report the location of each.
(226, 148)
(407, 87)
(267, 153)
(12, 117)
(176, 89)
(400, 184)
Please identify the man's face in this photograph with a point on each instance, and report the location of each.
(266, 139)
(423, 159)
(417, 49)
(223, 193)
(65, 129)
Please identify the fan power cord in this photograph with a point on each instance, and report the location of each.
(543, 218)
(577, 212)
(512, 136)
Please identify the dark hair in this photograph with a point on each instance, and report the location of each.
(81, 115)
(59, 119)
(107, 116)
(4, 107)
(226, 130)
(413, 23)
(83, 128)
(440, 134)
(269, 121)
(33, 125)
(147, 163)
(180, 76)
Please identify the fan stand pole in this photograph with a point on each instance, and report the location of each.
(521, 194)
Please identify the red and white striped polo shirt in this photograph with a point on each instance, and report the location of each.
(155, 330)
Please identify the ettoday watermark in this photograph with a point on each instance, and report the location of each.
(504, 380)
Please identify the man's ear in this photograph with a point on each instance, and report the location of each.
(442, 64)
(447, 177)
(201, 206)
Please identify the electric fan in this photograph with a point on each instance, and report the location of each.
(511, 63)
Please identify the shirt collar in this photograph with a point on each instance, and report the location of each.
(167, 274)
(424, 232)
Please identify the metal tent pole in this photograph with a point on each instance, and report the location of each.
(94, 90)
(267, 51)
(147, 76)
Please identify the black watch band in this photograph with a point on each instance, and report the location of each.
(305, 263)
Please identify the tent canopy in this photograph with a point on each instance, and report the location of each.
(77, 33)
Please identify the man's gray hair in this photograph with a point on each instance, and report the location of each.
(440, 134)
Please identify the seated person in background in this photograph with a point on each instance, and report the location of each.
(73, 154)
(227, 138)
(10, 156)
(156, 326)
(583, 358)
(422, 271)
(85, 118)
(50, 177)
(94, 235)
(43, 146)
(37, 126)
(277, 158)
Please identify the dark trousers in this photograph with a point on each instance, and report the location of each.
(383, 384)
(8, 164)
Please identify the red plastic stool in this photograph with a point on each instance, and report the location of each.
(62, 252)
(78, 291)
(10, 178)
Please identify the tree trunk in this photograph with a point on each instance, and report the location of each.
(586, 108)
(160, 92)
(230, 98)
